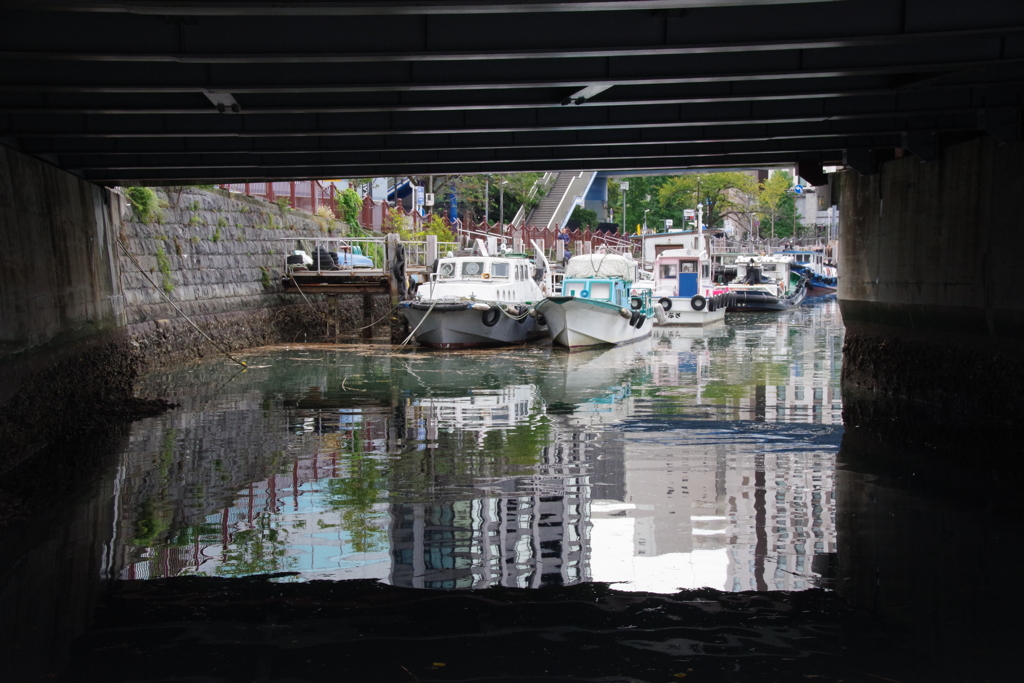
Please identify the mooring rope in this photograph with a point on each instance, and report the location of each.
(422, 320)
(138, 265)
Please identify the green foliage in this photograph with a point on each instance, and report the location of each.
(222, 222)
(195, 220)
(164, 265)
(145, 203)
(283, 203)
(216, 236)
(721, 194)
(777, 205)
(641, 200)
(584, 216)
(348, 205)
(265, 277)
(194, 205)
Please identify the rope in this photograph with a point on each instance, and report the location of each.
(422, 320)
(175, 306)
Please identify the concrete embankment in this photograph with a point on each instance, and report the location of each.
(79, 321)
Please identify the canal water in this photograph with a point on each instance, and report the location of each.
(667, 510)
(694, 458)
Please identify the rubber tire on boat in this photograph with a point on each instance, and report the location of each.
(491, 316)
(712, 304)
(541, 320)
(522, 317)
(295, 260)
(666, 303)
(636, 303)
(633, 318)
(640, 321)
(698, 302)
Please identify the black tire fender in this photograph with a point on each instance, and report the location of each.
(640, 321)
(636, 303)
(491, 316)
(666, 303)
(633, 318)
(698, 302)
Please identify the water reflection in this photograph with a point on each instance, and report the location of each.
(689, 459)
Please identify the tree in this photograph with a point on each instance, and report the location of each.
(776, 202)
(585, 217)
(723, 195)
(641, 201)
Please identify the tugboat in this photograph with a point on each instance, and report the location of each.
(765, 283)
(479, 300)
(598, 304)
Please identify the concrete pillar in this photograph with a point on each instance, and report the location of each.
(928, 263)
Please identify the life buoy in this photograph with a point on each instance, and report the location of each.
(666, 303)
(633, 318)
(585, 294)
(698, 302)
(491, 316)
(636, 303)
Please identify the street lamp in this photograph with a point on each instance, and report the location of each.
(645, 218)
(624, 185)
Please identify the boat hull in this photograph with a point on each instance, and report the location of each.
(750, 302)
(681, 312)
(575, 322)
(459, 329)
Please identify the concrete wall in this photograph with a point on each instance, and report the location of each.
(60, 279)
(928, 260)
(79, 321)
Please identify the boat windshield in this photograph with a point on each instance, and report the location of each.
(472, 268)
(499, 269)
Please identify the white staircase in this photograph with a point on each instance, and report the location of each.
(566, 192)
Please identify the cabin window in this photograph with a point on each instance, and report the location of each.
(687, 266)
(472, 268)
(768, 267)
(446, 270)
(499, 270)
(668, 270)
(600, 290)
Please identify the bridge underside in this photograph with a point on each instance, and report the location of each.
(153, 92)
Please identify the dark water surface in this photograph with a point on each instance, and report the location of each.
(661, 511)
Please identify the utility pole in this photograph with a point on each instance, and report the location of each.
(487, 199)
(501, 204)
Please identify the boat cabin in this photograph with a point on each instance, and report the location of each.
(680, 272)
(490, 278)
(484, 268)
(614, 291)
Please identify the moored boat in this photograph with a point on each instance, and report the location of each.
(479, 300)
(822, 275)
(684, 290)
(765, 283)
(598, 304)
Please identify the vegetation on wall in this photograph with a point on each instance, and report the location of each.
(145, 203)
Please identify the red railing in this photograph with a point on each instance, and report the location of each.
(379, 216)
(302, 195)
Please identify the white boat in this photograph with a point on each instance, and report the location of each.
(598, 304)
(683, 288)
(479, 300)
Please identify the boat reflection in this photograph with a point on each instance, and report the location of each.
(654, 466)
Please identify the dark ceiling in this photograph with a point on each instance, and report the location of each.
(159, 92)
